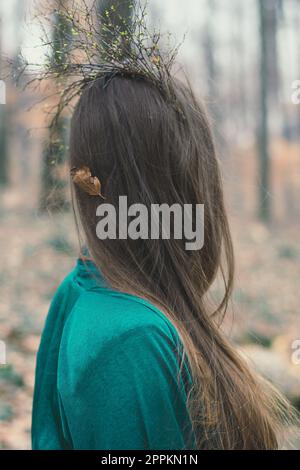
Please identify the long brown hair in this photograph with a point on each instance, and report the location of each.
(142, 146)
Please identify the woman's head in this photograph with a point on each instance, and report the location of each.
(154, 150)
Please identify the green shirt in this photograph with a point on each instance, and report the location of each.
(108, 372)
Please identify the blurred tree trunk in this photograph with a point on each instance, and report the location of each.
(53, 184)
(270, 16)
(3, 129)
(210, 62)
(297, 27)
(3, 145)
(119, 14)
(240, 60)
(268, 99)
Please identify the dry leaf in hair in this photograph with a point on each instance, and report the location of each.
(88, 183)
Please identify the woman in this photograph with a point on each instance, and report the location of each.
(132, 355)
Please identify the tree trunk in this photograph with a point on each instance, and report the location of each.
(268, 94)
(3, 128)
(119, 14)
(53, 184)
(3, 145)
(210, 62)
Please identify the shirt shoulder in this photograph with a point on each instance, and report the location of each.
(121, 376)
(102, 319)
(121, 357)
(95, 315)
(110, 356)
(102, 324)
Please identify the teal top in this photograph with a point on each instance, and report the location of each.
(108, 372)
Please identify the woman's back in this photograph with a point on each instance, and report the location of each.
(108, 372)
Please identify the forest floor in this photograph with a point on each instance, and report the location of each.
(38, 251)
